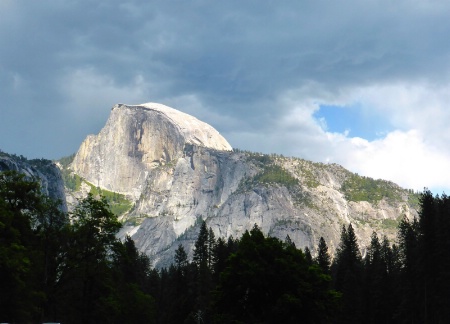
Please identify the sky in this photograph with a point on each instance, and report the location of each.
(365, 84)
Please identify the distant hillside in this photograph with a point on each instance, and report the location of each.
(42, 170)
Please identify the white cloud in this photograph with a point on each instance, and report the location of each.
(422, 106)
(402, 157)
(416, 154)
(256, 75)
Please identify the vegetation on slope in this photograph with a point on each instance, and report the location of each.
(359, 188)
(66, 160)
(270, 173)
(118, 203)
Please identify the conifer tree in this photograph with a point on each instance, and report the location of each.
(211, 247)
(203, 273)
(181, 258)
(323, 259)
(220, 255)
(408, 240)
(308, 256)
(443, 256)
(428, 249)
(347, 272)
(201, 247)
(375, 280)
(288, 241)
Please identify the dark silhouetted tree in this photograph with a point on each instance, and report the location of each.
(347, 271)
(323, 259)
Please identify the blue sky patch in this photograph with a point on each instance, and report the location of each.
(359, 122)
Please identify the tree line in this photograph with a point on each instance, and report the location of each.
(64, 268)
(71, 268)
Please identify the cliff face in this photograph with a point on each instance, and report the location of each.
(178, 171)
(226, 190)
(43, 171)
(137, 139)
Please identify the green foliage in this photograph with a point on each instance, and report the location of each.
(377, 283)
(270, 175)
(347, 271)
(20, 158)
(19, 293)
(60, 271)
(267, 281)
(71, 180)
(259, 158)
(414, 199)
(201, 247)
(117, 202)
(358, 188)
(310, 179)
(274, 174)
(323, 259)
(389, 223)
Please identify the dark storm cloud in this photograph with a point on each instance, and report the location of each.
(63, 64)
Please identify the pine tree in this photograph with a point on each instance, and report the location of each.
(203, 273)
(201, 247)
(323, 259)
(391, 285)
(211, 247)
(220, 255)
(181, 258)
(408, 240)
(428, 225)
(443, 256)
(375, 279)
(347, 272)
(308, 256)
(288, 241)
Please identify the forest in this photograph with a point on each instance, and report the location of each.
(71, 268)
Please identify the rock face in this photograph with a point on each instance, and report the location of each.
(179, 171)
(137, 139)
(44, 171)
(225, 189)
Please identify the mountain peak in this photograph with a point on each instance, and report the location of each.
(138, 138)
(193, 130)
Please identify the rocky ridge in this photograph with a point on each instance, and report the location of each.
(177, 171)
(44, 171)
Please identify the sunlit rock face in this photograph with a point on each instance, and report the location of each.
(179, 171)
(137, 139)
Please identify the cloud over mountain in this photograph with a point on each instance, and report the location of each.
(257, 71)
